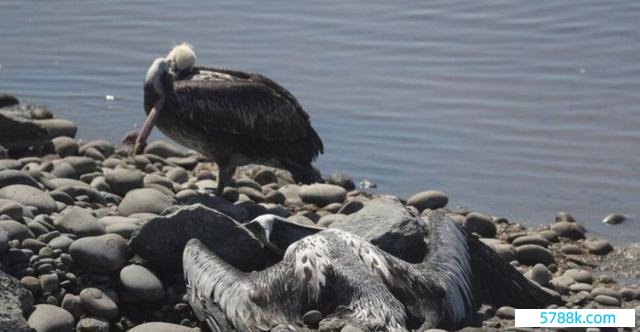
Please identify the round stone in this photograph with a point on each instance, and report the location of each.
(31, 283)
(530, 254)
(480, 224)
(73, 305)
(91, 324)
(607, 300)
(598, 246)
(342, 180)
(163, 149)
(569, 230)
(61, 242)
(614, 219)
(123, 180)
(580, 287)
(30, 196)
(49, 282)
(531, 239)
(96, 302)
(15, 230)
(178, 175)
(564, 216)
(144, 200)
(79, 221)
(430, 199)
(540, 274)
(275, 197)
(49, 318)
(65, 146)
(579, 275)
(161, 327)
(265, 176)
(13, 209)
(312, 318)
(103, 253)
(64, 170)
(141, 283)
(506, 312)
(322, 194)
(11, 176)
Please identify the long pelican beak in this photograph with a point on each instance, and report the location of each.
(144, 132)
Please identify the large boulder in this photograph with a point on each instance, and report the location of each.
(386, 223)
(14, 301)
(161, 240)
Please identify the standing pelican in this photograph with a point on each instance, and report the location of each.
(232, 117)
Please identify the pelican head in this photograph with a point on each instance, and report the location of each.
(157, 79)
(182, 57)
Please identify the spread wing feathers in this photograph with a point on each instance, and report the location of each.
(253, 107)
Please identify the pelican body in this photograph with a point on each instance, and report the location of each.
(232, 117)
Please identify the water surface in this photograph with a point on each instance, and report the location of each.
(515, 108)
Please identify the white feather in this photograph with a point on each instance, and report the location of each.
(182, 56)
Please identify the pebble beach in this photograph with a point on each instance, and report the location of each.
(75, 216)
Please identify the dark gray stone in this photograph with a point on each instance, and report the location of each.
(143, 284)
(97, 303)
(163, 149)
(530, 254)
(21, 134)
(30, 196)
(64, 170)
(531, 239)
(8, 100)
(49, 318)
(82, 164)
(161, 327)
(15, 301)
(430, 199)
(480, 224)
(4, 241)
(103, 253)
(351, 206)
(16, 230)
(598, 246)
(386, 223)
(540, 274)
(161, 240)
(79, 221)
(567, 229)
(312, 318)
(342, 180)
(65, 146)
(614, 219)
(72, 304)
(13, 176)
(91, 324)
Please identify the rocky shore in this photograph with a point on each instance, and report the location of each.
(79, 219)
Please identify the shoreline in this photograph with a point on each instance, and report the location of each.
(69, 208)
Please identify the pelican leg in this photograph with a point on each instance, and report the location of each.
(225, 175)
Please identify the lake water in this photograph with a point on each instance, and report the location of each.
(514, 108)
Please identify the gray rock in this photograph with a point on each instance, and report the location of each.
(607, 300)
(16, 300)
(4, 241)
(580, 287)
(58, 127)
(506, 251)
(10, 164)
(322, 194)
(82, 164)
(64, 170)
(252, 193)
(342, 180)
(564, 216)
(562, 284)
(12, 176)
(78, 221)
(65, 146)
(329, 219)
(8, 100)
(96, 302)
(161, 327)
(21, 134)
(123, 229)
(61, 242)
(91, 324)
(351, 206)
(163, 149)
(16, 230)
(265, 176)
(540, 274)
(49, 318)
(531, 239)
(312, 318)
(579, 275)
(275, 197)
(162, 239)
(144, 200)
(568, 229)
(103, 253)
(506, 312)
(605, 291)
(530, 254)
(12, 209)
(28, 195)
(480, 224)
(93, 154)
(73, 305)
(598, 246)
(105, 148)
(141, 283)
(614, 219)
(178, 175)
(386, 223)
(49, 282)
(430, 199)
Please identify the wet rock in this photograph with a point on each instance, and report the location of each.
(598, 246)
(79, 221)
(569, 230)
(480, 224)
(141, 283)
(162, 239)
(430, 199)
(144, 200)
(91, 324)
(65, 146)
(530, 254)
(58, 127)
(49, 318)
(163, 149)
(28, 195)
(16, 230)
(12, 176)
(605, 291)
(8, 100)
(96, 302)
(103, 253)
(386, 223)
(322, 194)
(16, 300)
(614, 219)
(161, 327)
(342, 180)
